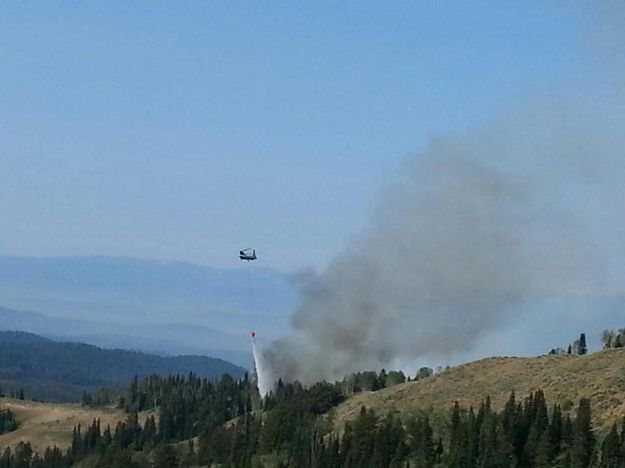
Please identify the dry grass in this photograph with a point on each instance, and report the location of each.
(48, 424)
(564, 379)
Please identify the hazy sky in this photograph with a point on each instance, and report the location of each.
(187, 130)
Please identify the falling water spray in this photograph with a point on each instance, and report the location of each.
(263, 380)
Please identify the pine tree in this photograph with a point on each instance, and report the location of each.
(487, 440)
(455, 424)
(622, 440)
(389, 436)
(165, 456)
(504, 451)
(87, 400)
(107, 438)
(545, 451)
(611, 450)
(8, 422)
(362, 435)
(77, 445)
(6, 459)
(566, 439)
(582, 348)
(473, 437)
(509, 416)
(428, 449)
(22, 455)
(382, 378)
(555, 428)
(583, 437)
(149, 434)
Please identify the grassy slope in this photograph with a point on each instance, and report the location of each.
(47, 424)
(599, 376)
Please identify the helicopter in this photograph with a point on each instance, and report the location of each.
(246, 255)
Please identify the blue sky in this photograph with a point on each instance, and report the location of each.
(188, 130)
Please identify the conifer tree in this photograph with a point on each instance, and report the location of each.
(8, 422)
(487, 440)
(473, 437)
(583, 437)
(582, 349)
(622, 440)
(566, 439)
(165, 456)
(555, 428)
(611, 450)
(427, 444)
(504, 454)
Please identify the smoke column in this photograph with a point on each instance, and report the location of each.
(473, 227)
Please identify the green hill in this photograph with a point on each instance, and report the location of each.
(60, 371)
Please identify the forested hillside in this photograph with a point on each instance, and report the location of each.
(59, 371)
(295, 429)
(546, 411)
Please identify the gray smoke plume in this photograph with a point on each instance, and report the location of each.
(473, 227)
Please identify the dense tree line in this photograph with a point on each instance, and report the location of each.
(7, 420)
(99, 398)
(17, 394)
(56, 371)
(524, 434)
(295, 429)
(23, 456)
(372, 381)
(188, 405)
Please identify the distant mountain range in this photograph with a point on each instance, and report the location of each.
(61, 371)
(162, 307)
